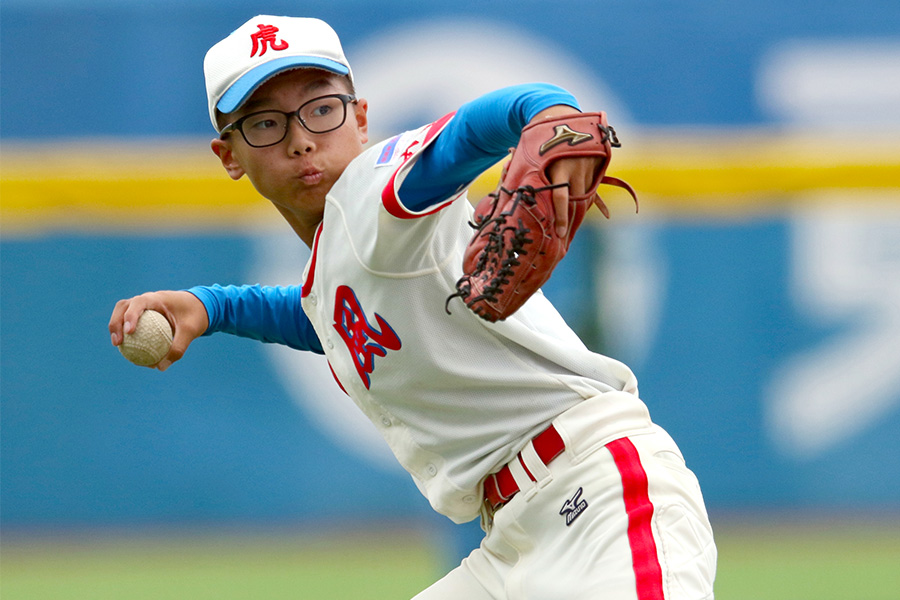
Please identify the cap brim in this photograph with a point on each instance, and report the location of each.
(241, 89)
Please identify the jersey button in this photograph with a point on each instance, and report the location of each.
(385, 421)
(432, 470)
(469, 499)
(313, 299)
(329, 343)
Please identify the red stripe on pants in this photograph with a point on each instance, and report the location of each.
(647, 571)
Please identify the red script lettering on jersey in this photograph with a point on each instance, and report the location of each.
(265, 39)
(363, 340)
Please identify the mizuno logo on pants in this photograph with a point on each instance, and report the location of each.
(573, 507)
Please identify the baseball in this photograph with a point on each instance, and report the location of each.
(150, 341)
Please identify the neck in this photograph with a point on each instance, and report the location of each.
(304, 224)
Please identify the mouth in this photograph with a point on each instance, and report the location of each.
(311, 176)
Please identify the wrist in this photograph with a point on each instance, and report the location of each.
(552, 112)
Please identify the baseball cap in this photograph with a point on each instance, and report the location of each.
(260, 49)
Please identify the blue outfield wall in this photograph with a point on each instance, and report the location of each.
(765, 340)
(110, 68)
(229, 434)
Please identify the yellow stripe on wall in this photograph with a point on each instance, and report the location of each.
(106, 186)
(727, 172)
(182, 185)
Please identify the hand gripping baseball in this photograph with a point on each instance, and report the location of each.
(516, 244)
(184, 311)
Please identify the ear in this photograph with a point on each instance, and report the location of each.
(222, 149)
(362, 119)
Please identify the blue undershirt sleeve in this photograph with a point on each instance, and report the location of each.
(479, 135)
(264, 313)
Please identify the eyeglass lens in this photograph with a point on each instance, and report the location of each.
(319, 115)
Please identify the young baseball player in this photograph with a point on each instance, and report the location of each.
(512, 421)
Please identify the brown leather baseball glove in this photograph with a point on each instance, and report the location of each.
(516, 246)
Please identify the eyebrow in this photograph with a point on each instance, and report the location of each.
(311, 86)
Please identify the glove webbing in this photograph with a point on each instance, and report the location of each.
(495, 246)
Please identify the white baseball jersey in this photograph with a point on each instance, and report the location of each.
(455, 396)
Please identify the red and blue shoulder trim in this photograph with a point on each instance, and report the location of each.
(390, 194)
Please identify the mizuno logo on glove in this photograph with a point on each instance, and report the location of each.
(563, 133)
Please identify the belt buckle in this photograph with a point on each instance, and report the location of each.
(487, 515)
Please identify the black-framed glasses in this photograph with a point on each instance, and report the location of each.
(269, 127)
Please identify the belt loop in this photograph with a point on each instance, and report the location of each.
(516, 475)
(523, 480)
(535, 465)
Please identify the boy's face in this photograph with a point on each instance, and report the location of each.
(296, 173)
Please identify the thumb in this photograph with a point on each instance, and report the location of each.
(179, 347)
(180, 342)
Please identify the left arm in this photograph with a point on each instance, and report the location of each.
(480, 134)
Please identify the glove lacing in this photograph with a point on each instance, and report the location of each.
(494, 248)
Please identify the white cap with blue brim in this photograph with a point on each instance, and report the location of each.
(263, 47)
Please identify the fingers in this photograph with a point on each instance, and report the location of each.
(561, 208)
(124, 318)
(184, 311)
(115, 322)
(560, 172)
(579, 174)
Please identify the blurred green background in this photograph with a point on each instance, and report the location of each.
(778, 561)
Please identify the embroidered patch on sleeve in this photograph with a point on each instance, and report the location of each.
(387, 154)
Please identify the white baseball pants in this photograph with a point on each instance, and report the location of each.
(617, 519)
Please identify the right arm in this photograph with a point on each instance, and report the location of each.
(270, 314)
(267, 314)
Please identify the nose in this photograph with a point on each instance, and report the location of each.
(300, 141)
